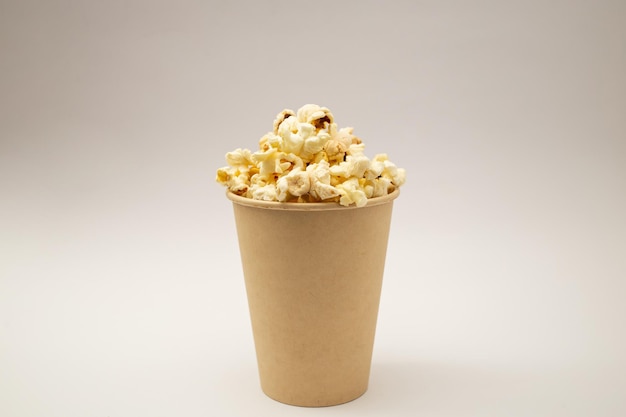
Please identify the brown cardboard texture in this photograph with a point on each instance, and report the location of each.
(313, 274)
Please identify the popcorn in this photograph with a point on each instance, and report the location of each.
(267, 162)
(351, 192)
(306, 158)
(314, 144)
(239, 157)
(321, 189)
(318, 116)
(355, 164)
(291, 134)
(281, 117)
(295, 184)
(266, 192)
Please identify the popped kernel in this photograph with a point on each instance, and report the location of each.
(295, 184)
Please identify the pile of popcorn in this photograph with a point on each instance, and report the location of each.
(308, 159)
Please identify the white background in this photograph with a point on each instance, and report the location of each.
(121, 291)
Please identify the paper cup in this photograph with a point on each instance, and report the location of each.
(313, 274)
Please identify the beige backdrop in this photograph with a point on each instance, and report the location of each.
(121, 292)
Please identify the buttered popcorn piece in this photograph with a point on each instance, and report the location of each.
(320, 117)
(352, 193)
(306, 158)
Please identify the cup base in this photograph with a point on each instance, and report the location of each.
(312, 403)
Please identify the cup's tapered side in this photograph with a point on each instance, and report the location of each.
(313, 281)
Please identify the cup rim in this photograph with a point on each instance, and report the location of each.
(321, 206)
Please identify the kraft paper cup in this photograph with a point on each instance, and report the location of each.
(313, 274)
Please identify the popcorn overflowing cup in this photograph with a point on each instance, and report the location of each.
(313, 216)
